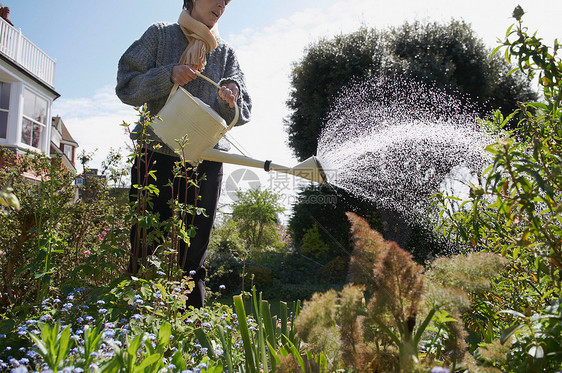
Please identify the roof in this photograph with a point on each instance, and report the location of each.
(66, 136)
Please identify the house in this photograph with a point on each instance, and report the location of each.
(27, 78)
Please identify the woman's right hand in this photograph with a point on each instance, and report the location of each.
(183, 74)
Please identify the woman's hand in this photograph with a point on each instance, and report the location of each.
(183, 74)
(229, 92)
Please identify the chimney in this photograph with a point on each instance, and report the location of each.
(5, 13)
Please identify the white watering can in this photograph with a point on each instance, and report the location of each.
(186, 115)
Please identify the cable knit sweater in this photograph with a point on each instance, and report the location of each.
(145, 70)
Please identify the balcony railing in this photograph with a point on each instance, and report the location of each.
(18, 48)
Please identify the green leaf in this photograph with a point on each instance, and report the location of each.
(204, 341)
(164, 333)
(149, 360)
(244, 332)
(507, 333)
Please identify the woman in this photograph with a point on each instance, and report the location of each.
(147, 72)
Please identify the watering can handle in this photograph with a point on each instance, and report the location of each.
(236, 110)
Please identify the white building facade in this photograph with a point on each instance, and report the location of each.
(27, 78)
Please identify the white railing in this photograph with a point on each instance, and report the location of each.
(20, 49)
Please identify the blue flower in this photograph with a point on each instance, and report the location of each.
(102, 311)
(136, 316)
(24, 360)
(45, 317)
(66, 307)
(100, 302)
(2, 335)
(222, 287)
(171, 367)
(192, 272)
(202, 366)
(206, 325)
(160, 273)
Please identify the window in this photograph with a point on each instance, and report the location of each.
(34, 118)
(4, 108)
(68, 151)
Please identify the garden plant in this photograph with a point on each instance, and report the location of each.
(68, 303)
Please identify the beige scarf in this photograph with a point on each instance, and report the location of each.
(201, 41)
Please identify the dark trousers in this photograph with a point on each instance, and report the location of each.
(205, 195)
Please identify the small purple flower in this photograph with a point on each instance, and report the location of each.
(192, 272)
(222, 287)
(206, 325)
(102, 311)
(136, 316)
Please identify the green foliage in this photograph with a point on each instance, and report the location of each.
(312, 244)
(255, 212)
(515, 210)
(330, 218)
(52, 233)
(391, 311)
(53, 345)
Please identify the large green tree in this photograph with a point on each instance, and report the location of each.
(448, 56)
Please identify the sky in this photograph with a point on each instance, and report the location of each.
(269, 36)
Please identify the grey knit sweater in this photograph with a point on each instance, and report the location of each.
(145, 70)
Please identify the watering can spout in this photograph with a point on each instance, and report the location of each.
(310, 169)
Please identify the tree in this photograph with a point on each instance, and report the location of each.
(325, 68)
(449, 56)
(255, 211)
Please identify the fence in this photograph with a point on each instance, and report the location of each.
(20, 49)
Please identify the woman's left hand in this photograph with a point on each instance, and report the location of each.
(229, 92)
